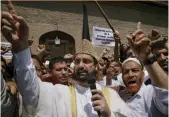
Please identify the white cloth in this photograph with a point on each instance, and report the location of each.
(150, 101)
(54, 100)
(103, 82)
(132, 59)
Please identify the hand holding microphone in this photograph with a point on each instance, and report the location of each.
(99, 102)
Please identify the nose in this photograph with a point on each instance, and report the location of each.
(81, 64)
(130, 74)
(64, 71)
(163, 57)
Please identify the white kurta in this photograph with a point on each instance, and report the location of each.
(55, 100)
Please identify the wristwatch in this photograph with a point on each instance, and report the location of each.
(150, 60)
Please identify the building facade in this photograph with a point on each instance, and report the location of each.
(66, 18)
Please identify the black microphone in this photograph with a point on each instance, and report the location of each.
(91, 79)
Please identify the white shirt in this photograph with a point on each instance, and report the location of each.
(103, 82)
(54, 100)
(150, 101)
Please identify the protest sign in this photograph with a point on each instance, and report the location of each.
(102, 37)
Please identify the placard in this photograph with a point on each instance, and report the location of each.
(103, 37)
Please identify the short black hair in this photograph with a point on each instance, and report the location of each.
(159, 44)
(55, 60)
(37, 58)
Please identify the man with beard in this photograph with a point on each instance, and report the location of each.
(147, 101)
(58, 100)
(161, 52)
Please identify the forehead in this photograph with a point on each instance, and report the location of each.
(60, 64)
(83, 56)
(131, 65)
(114, 63)
(159, 50)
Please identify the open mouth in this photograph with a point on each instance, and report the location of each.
(165, 64)
(82, 73)
(132, 82)
(63, 78)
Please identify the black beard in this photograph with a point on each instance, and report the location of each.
(85, 78)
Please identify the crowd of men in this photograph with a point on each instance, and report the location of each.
(131, 82)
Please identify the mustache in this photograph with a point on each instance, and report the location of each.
(82, 70)
(164, 62)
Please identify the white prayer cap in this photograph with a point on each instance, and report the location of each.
(72, 65)
(132, 59)
(67, 56)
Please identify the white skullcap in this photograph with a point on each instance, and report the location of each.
(68, 56)
(132, 59)
(72, 65)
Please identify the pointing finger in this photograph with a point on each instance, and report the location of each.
(10, 7)
(7, 15)
(138, 25)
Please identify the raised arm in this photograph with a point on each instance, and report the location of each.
(16, 31)
(141, 46)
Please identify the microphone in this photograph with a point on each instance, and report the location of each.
(91, 79)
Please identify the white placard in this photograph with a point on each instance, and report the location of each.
(103, 37)
(7, 55)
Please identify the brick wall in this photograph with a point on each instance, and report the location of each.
(43, 17)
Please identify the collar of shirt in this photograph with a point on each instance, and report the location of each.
(139, 93)
(81, 89)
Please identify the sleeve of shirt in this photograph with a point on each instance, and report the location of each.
(161, 99)
(26, 78)
(8, 103)
(121, 109)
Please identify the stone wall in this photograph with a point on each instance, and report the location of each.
(43, 17)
